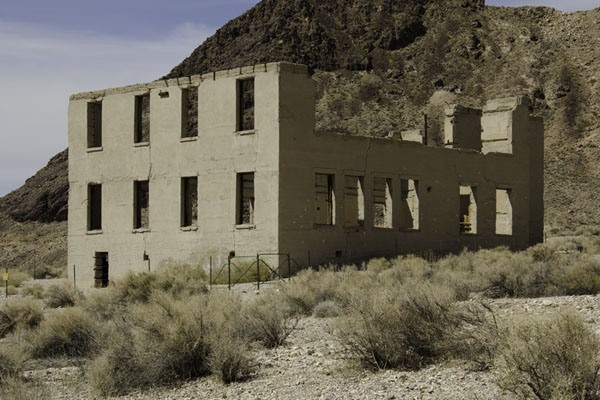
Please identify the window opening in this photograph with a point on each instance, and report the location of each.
(101, 270)
(189, 204)
(324, 199)
(94, 207)
(504, 215)
(189, 112)
(245, 198)
(142, 118)
(94, 121)
(382, 202)
(141, 205)
(245, 89)
(409, 204)
(354, 201)
(468, 210)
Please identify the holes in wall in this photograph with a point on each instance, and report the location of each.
(382, 202)
(245, 198)
(142, 119)
(245, 109)
(189, 112)
(468, 209)
(189, 201)
(324, 199)
(141, 204)
(101, 270)
(354, 201)
(409, 204)
(94, 207)
(504, 213)
(94, 124)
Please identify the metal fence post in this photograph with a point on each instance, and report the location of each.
(289, 268)
(229, 272)
(258, 271)
(74, 277)
(210, 272)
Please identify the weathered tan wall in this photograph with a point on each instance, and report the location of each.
(440, 172)
(215, 157)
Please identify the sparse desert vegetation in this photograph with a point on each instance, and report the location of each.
(165, 328)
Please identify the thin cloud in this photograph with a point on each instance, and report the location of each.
(41, 67)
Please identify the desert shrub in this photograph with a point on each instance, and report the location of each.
(16, 278)
(166, 339)
(498, 273)
(397, 326)
(378, 265)
(62, 295)
(16, 388)
(103, 304)
(64, 332)
(409, 267)
(36, 291)
(228, 359)
(178, 280)
(476, 335)
(579, 276)
(327, 309)
(269, 319)
(550, 358)
(19, 314)
(11, 364)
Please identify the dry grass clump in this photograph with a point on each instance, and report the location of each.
(64, 332)
(19, 314)
(178, 280)
(550, 358)
(62, 295)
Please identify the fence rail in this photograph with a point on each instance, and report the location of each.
(257, 269)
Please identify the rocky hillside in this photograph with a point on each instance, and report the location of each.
(380, 64)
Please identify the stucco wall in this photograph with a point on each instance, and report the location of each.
(215, 156)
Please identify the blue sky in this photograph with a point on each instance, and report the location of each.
(51, 49)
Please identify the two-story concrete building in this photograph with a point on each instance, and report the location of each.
(198, 167)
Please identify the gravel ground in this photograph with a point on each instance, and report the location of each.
(313, 365)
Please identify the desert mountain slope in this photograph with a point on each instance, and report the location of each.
(380, 64)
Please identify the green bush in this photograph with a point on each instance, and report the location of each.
(550, 358)
(19, 314)
(62, 295)
(269, 319)
(65, 332)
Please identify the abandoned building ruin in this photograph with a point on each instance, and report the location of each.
(192, 168)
